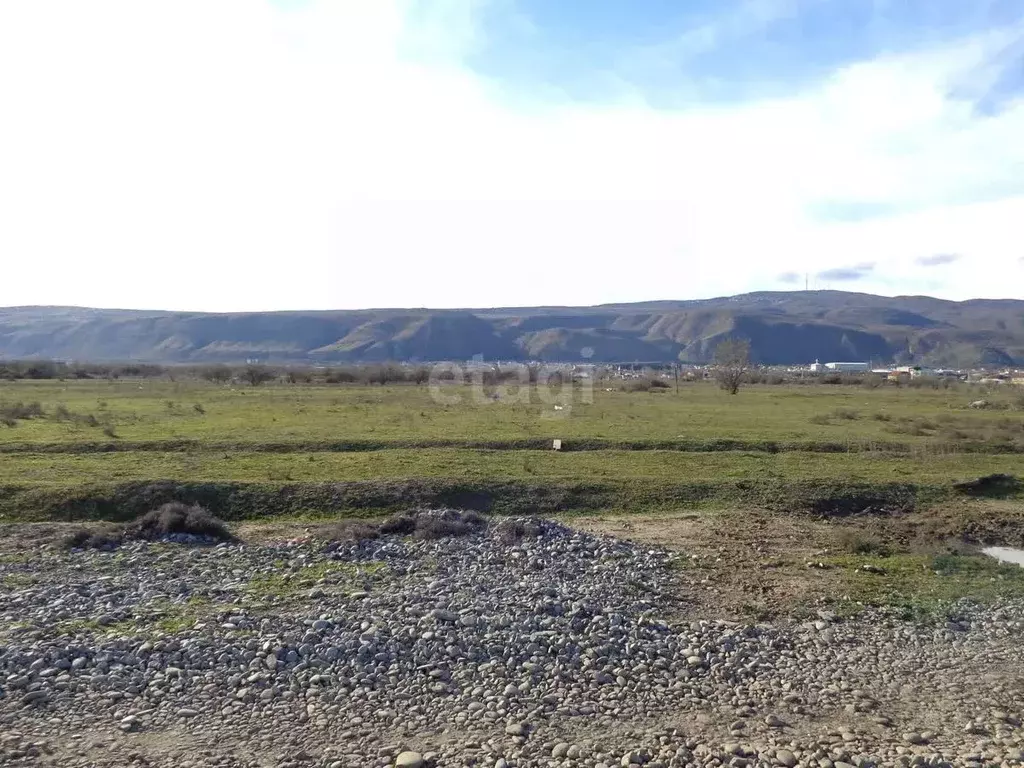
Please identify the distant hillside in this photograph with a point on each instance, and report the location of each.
(783, 327)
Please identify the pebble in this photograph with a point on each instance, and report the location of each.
(562, 648)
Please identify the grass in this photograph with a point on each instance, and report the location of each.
(171, 618)
(114, 449)
(770, 565)
(94, 627)
(18, 580)
(290, 583)
(925, 584)
(159, 617)
(138, 411)
(63, 470)
(249, 485)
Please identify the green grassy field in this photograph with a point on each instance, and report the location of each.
(633, 447)
(157, 410)
(657, 466)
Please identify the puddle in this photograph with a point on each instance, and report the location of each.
(1006, 554)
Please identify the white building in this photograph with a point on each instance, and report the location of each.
(850, 367)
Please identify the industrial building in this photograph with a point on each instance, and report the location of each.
(848, 367)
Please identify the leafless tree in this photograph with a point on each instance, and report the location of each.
(257, 374)
(732, 361)
(219, 374)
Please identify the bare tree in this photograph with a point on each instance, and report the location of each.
(219, 374)
(732, 361)
(257, 374)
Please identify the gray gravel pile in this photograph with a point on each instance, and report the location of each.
(510, 647)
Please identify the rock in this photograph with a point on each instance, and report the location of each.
(785, 757)
(560, 750)
(504, 649)
(409, 760)
(517, 729)
(34, 698)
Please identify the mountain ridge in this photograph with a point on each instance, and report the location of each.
(784, 327)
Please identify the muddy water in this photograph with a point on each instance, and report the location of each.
(1006, 554)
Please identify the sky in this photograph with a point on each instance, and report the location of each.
(236, 155)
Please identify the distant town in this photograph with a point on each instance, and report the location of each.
(896, 373)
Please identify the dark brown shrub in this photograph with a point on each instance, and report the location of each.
(514, 531)
(352, 530)
(400, 525)
(448, 525)
(175, 517)
(21, 411)
(862, 543)
(93, 538)
(846, 414)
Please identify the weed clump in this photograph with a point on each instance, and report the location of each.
(93, 538)
(353, 530)
(995, 486)
(177, 518)
(644, 385)
(12, 413)
(862, 543)
(845, 414)
(426, 525)
(170, 519)
(448, 524)
(515, 531)
(398, 525)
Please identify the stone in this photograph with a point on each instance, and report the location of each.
(34, 698)
(517, 729)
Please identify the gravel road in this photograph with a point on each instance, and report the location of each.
(519, 646)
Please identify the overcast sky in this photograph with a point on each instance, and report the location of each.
(293, 154)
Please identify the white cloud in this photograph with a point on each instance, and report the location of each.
(188, 154)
